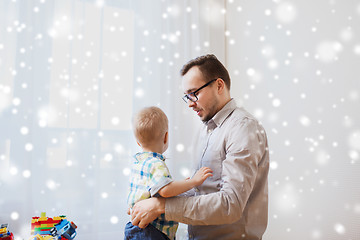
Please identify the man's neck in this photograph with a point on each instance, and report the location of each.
(223, 103)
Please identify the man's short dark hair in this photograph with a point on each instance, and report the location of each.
(210, 67)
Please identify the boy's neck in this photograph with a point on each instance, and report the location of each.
(153, 149)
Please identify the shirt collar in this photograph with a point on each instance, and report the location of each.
(221, 115)
(141, 156)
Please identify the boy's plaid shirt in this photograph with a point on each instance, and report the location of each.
(149, 174)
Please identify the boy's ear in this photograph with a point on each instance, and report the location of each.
(166, 138)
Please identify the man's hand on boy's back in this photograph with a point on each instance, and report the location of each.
(146, 211)
(201, 175)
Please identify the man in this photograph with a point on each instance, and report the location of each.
(233, 204)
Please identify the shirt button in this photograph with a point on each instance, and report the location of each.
(210, 130)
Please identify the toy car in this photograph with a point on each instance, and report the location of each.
(64, 229)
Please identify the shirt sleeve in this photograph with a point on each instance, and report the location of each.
(245, 147)
(160, 177)
(188, 193)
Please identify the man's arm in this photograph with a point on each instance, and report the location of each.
(177, 187)
(148, 210)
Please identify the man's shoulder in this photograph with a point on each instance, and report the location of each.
(241, 115)
(242, 120)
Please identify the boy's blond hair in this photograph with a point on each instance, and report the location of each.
(150, 125)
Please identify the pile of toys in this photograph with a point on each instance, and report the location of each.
(44, 228)
(4, 233)
(56, 228)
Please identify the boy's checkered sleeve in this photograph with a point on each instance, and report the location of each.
(160, 177)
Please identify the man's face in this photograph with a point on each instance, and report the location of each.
(206, 105)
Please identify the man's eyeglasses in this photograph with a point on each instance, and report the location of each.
(192, 96)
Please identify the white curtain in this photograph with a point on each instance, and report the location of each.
(72, 75)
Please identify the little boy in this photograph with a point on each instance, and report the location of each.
(150, 176)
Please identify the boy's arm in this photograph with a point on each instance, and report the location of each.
(177, 187)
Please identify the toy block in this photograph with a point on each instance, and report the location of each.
(5, 234)
(3, 228)
(44, 237)
(8, 236)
